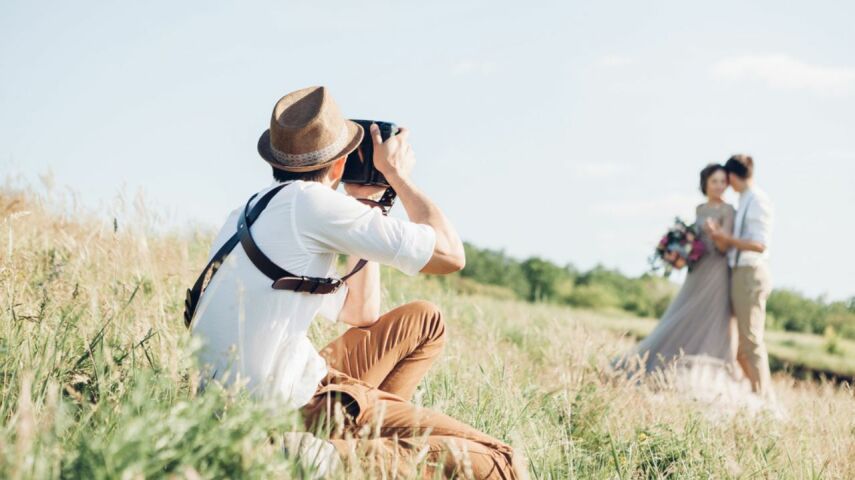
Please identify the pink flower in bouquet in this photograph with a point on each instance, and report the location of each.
(698, 250)
(680, 247)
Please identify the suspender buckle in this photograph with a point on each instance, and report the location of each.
(306, 284)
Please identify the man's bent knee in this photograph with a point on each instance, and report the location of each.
(424, 307)
(432, 324)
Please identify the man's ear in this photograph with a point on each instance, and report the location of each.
(337, 169)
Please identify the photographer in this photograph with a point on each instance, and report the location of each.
(257, 332)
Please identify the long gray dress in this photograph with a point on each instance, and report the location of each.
(698, 324)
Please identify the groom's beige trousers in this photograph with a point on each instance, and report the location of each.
(750, 287)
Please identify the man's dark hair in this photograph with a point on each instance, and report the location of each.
(740, 165)
(708, 172)
(313, 176)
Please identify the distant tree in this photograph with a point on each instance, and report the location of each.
(543, 278)
(493, 267)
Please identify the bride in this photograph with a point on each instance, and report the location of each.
(697, 330)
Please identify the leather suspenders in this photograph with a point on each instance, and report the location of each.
(282, 279)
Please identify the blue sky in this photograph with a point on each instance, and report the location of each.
(570, 130)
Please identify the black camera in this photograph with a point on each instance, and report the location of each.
(359, 166)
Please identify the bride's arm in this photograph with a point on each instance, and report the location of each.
(717, 231)
(727, 227)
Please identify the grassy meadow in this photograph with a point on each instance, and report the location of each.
(98, 380)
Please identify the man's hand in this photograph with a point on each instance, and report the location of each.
(394, 157)
(395, 160)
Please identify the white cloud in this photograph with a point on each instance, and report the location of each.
(473, 66)
(786, 73)
(615, 61)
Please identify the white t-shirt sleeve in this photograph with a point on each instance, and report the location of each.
(758, 221)
(329, 221)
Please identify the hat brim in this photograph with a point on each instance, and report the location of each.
(354, 131)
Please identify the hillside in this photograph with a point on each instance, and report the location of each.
(98, 380)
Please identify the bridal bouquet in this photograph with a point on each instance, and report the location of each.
(680, 247)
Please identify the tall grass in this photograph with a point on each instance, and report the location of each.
(98, 382)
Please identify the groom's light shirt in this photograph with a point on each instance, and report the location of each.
(753, 222)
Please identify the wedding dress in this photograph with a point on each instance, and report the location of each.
(693, 347)
(699, 321)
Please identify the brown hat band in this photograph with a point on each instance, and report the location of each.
(310, 158)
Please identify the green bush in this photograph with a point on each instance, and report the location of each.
(595, 296)
(790, 310)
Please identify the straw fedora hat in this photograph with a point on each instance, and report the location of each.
(307, 132)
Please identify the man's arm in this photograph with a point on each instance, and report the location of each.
(362, 305)
(720, 245)
(448, 254)
(724, 241)
(757, 222)
(742, 244)
(395, 159)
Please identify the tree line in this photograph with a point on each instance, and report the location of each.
(538, 280)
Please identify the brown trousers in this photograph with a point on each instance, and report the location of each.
(374, 372)
(750, 287)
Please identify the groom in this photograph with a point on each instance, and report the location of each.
(748, 256)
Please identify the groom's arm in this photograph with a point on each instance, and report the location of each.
(720, 245)
(723, 241)
(757, 228)
(738, 243)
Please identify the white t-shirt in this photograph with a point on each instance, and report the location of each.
(753, 222)
(251, 330)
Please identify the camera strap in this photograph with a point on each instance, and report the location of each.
(385, 203)
(282, 279)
